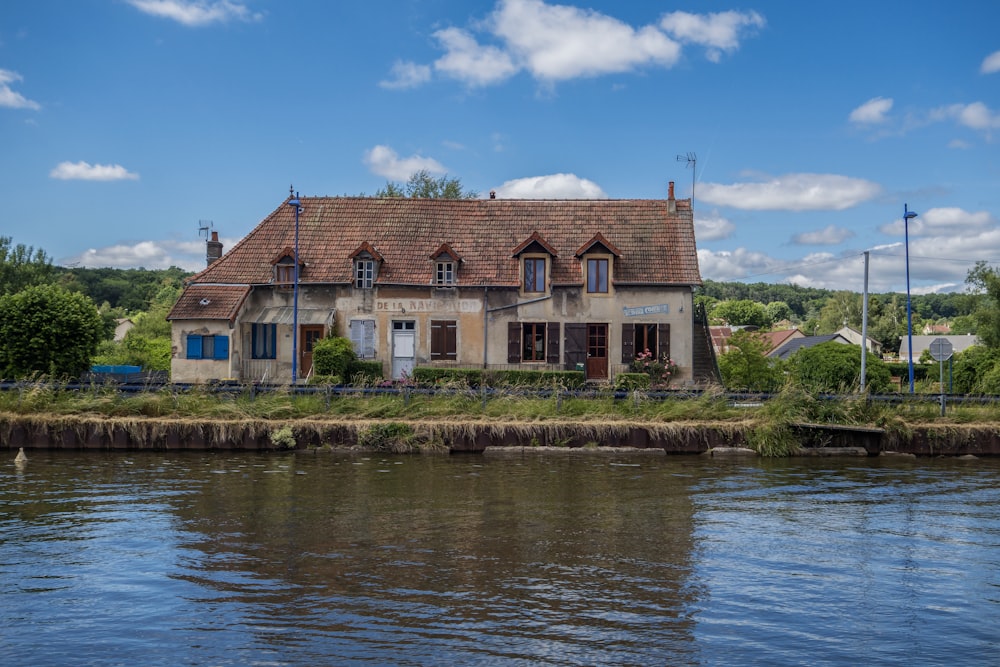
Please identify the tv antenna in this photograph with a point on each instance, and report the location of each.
(692, 161)
(205, 228)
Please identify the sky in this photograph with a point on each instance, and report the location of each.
(129, 129)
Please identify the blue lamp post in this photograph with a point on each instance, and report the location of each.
(907, 216)
(296, 204)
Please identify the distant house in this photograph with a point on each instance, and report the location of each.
(937, 329)
(122, 326)
(922, 343)
(854, 337)
(773, 339)
(793, 345)
(482, 283)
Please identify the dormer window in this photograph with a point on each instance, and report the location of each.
(366, 261)
(597, 256)
(284, 269)
(364, 273)
(444, 273)
(534, 274)
(535, 254)
(445, 262)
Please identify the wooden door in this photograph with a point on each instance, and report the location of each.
(308, 335)
(597, 351)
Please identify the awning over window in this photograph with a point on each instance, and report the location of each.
(285, 315)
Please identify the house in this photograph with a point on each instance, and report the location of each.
(854, 337)
(922, 343)
(485, 283)
(772, 339)
(793, 345)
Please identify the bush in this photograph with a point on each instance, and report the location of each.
(334, 356)
(836, 367)
(632, 381)
(365, 372)
(388, 437)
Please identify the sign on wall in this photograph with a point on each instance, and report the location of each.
(663, 308)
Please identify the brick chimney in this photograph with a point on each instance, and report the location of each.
(671, 202)
(213, 249)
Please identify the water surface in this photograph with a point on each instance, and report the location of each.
(542, 559)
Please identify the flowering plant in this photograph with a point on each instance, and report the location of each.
(660, 370)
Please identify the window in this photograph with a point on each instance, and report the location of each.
(284, 274)
(444, 273)
(264, 341)
(534, 274)
(533, 341)
(364, 273)
(597, 276)
(645, 338)
(637, 338)
(363, 338)
(444, 340)
(207, 347)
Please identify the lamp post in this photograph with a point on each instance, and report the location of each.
(907, 216)
(294, 202)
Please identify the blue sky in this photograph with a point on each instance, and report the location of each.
(124, 123)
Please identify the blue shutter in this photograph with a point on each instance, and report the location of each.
(272, 341)
(221, 347)
(193, 346)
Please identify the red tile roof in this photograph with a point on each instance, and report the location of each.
(656, 246)
(210, 302)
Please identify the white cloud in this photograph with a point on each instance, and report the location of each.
(945, 221)
(554, 186)
(737, 264)
(991, 63)
(712, 227)
(792, 192)
(188, 255)
(10, 98)
(407, 75)
(384, 161)
(556, 42)
(468, 61)
(84, 171)
(976, 116)
(872, 112)
(830, 235)
(720, 32)
(197, 13)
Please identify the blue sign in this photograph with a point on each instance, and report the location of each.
(647, 310)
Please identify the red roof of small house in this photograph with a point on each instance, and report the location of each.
(656, 247)
(210, 302)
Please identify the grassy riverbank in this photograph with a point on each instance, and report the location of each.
(415, 421)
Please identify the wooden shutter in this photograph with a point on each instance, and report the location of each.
(193, 346)
(513, 342)
(221, 347)
(444, 340)
(574, 345)
(663, 339)
(628, 343)
(552, 343)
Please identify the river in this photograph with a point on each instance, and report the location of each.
(199, 558)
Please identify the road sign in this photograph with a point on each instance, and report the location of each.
(941, 349)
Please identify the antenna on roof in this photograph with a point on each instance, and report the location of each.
(692, 161)
(205, 228)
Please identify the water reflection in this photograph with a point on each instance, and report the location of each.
(198, 558)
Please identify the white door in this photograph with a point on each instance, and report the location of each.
(403, 348)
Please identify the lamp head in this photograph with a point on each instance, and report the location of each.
(910, 215)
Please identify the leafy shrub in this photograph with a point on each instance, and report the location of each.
(660, 370)
(632, 381)
(834, 367)
(283, 438)
(334, 356)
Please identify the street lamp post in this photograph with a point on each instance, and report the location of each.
(296, 204)
(907, 216)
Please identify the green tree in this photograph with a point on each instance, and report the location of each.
(836, 367)
(422, 185)
(777, 311)
(974, 371)
(47, 329)
(984, 281)
(746, 364)
(741, 312)
(22, 267)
